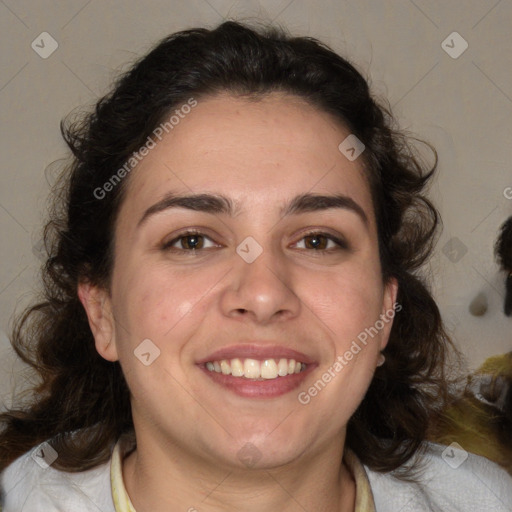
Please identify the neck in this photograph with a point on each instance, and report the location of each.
(171, 479)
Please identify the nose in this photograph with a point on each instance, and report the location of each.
(262, 291)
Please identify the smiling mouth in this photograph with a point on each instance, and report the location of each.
(255, 369)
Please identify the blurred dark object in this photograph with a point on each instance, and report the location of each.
(479, 305)
(503, 250)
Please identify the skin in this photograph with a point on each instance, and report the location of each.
(189, 430)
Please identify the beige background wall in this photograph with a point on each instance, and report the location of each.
(462, 105)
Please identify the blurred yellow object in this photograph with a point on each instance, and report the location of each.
(481, 420)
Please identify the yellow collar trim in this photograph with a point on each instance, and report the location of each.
(120, 497)
(364, 494)
(122, 502)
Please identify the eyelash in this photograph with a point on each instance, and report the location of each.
(342, 244)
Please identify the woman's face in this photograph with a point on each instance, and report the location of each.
(265, 283)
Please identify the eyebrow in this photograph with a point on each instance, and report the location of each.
(219, 204)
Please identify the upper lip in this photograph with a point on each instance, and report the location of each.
(255, 350)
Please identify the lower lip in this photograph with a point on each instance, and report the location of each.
(250, 388)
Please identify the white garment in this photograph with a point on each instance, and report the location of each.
(477, 485)
(25, 486)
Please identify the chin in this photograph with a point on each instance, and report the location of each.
(261, 451)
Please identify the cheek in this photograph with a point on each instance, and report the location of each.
(347, 301)
(162, 306)
(150, 303)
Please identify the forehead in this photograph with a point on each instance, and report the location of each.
(259, 152)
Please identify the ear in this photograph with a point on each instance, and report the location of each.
(389, 309)
(98, 306)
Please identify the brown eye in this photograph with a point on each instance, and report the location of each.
(316, 242)
(192, 241)
(321, 241)
(188, 242)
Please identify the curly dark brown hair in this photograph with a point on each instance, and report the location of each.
(503, 252)
(82, 401)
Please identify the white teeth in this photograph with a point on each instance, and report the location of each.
(269, 369)
(237, 368)
(282, 368)
(255, 369)
(252, 369)
(225, 368)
